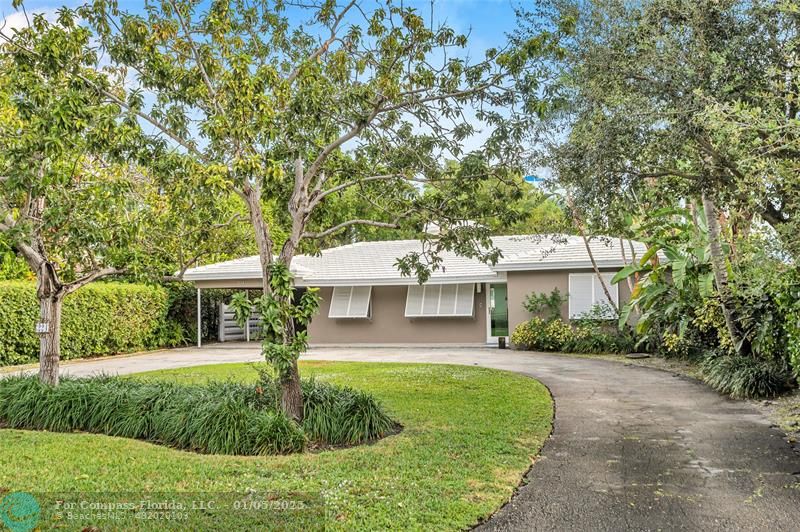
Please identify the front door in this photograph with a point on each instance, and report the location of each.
(497, 308)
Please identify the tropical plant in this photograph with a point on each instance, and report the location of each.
(672, 279)
(284, 322)
(547, 306)
(213, 418)
(745, 377)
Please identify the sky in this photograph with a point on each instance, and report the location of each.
(486, 22)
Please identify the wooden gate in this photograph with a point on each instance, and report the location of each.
(229, 331)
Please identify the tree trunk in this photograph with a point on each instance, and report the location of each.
(625, 262)
(292, 394)
(252, 196)
(579, 225)
(720, 271)
(291, 391)
(50, 341)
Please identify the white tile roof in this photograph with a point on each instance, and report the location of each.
(374, 263)
(562, 252)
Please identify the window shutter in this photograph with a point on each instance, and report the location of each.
(600, 295)
(359, 302)
(430, 302)
(350, 302)
(465, 299)
(447, 299)
(440, 300)
(340, 302)
(414, 301)
(581, 293)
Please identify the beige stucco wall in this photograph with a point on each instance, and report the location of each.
(520, 284)
(389, 325)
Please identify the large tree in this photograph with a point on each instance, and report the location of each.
(77, 203)
(760, 133)
(298, 104)
(636, 83)
(65, 207)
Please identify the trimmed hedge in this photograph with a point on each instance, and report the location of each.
(98, 319)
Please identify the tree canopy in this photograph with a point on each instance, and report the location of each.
(651, 93)
(323, 117)
(675, 123)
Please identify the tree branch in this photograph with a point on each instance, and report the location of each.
(438, 97)
(317, 197)
(88, 278)
(324, 46)
(187, 31)
(333, 146)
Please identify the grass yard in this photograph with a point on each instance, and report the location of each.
(469, 435)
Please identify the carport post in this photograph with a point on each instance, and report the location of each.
(199, 320)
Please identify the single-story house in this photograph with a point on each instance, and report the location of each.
(366, 300)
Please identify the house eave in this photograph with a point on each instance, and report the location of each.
(564, 265)
(401, 281)
(318, 282)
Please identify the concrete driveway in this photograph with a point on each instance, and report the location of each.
(632, 449)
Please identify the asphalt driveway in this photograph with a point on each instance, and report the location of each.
(632, 448)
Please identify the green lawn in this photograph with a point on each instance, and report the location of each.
(470, 434)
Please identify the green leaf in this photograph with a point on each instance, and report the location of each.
(652, 250)
(706, 284)
(679, 272)
(625, 272)
(624, 314)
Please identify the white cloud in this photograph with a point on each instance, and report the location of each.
(17, 20)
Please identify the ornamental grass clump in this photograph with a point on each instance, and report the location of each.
(213, 418)
(334, 415)
(747, 377)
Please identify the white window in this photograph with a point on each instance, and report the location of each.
(586, 291)
(351, 302)
(440, 300)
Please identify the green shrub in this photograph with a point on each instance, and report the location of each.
(744, 377)
(596, 339)
(546, 306)
(214, 418)
(98, 319)
(583, 337)
(541, 335)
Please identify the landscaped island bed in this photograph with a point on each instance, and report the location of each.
(469, 435)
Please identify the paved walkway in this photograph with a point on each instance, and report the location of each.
(633, 448)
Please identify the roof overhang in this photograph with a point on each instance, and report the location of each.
(218, 276)
(219, 280)
(563, 265)
(401, 281)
